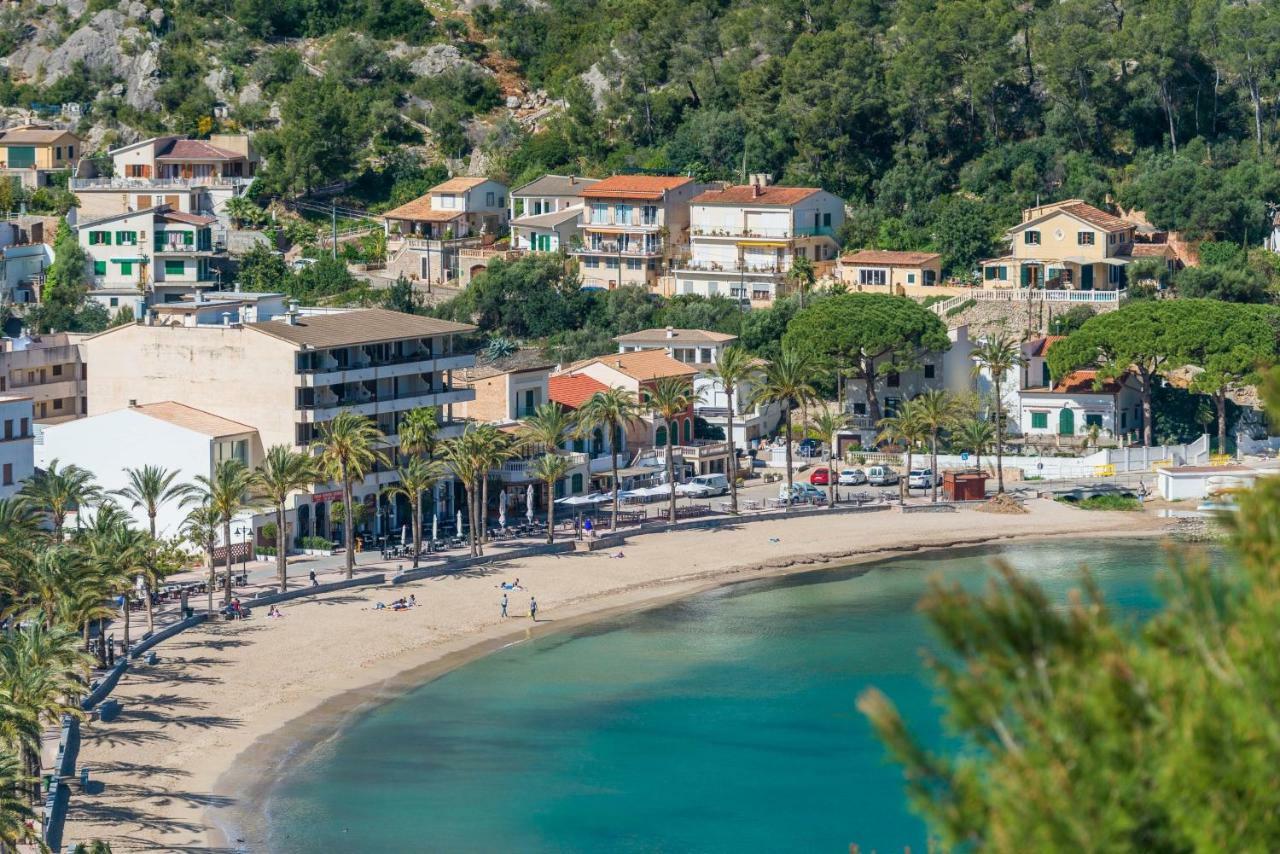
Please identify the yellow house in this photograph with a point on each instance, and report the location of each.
(29, 152)
(1065, 245)
(888, 271)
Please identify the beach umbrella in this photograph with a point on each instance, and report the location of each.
(404, 534)
(459, 523)
(528, 502)
(502, 511)
(435, 527)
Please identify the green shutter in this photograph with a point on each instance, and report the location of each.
(22, 156)
(126, 268)
(99, 268)
(174, 268)
(1039, 421)
(1004, 274)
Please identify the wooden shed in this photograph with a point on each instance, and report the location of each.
(964, 485)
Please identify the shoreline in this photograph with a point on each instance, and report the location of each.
(310, 686)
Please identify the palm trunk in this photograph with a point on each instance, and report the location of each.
(613, 469)
(786, 413)
(31, 764)
(904, 485)
(478, 520)
(415, 507)
(127, 621)
(1148, 429)
(1220, 400)
(933, 465)
(551, 512)
(282, 572)
(733, 455)
(226, 539)
(151, 615)
(831, 474)
(671, 477)
(999, 435)
(484, 508)
(348, 524)
(209, 558)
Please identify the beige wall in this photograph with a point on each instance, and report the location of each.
(896, 277)
(234, 372)
(1066, 246)
(491, 403)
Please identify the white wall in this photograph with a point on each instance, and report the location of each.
(16, 453)
(108, 444)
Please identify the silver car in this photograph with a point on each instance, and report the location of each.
(852, 477)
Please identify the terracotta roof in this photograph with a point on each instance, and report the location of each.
(190, 418)
(36, 136)
(642, 365)
(196, 149)
(357, 327)
(634, 186)
(189, 219)
(420, 210)
(675, 336)
(457, 185)
(1042, 345)
(746, 194)
(1151, 250)
(521, 361)
(555, 185)
(1083, 382)
(573, 390)
(889, 258)
(1084, 212)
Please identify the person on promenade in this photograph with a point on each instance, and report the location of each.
(588, 528)
(533, 608)
(504, 605)
(313, 578)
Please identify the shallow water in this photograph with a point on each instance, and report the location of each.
(721, 723)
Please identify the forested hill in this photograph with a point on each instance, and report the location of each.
(936, 119)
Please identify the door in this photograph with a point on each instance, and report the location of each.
(1086, 277)
(1067, 422)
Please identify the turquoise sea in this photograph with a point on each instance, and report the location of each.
(722, 723)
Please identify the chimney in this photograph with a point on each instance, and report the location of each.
(199, 297)
(617, 363)
(291, 316)
(755, 190)
(133, 403)
(226, 319)
(573, 179)
(671, 332)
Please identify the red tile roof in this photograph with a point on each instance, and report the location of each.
(1043, 344)
(1094, 216)
(746, 194)
(460, 184)
(189, 219)
(888, 258)
(634, 186)
(1086, 382)
(573, 390)
(1151, 250)
(197, 149)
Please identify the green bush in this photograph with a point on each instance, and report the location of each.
(316, 543)
(964, 306)
(1105, 502)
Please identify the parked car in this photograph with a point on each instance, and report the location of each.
(923, 479)
(704, 486)
(300, 264)
(809, 447)
(820, 476)
(852, 477)
(881, 476)
(802, 492)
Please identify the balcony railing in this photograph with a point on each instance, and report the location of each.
(523, 469)
(636, 220)
(363, 398)
(607, 248)
(362, 364)
(762, 233)
(714, 267)
(157, 183)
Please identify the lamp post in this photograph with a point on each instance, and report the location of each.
(246, 531)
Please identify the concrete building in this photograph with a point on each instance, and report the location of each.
(191, 176)
(744, 239)
(17, 449)
(226, 307)
(32, 153)
(546, 213)
(24, 258)
(882, 271)
(286, 377)
(632, 228)
(506, 390)
(1064, 412)
(425, 236)
(48, 369)
(176, 437)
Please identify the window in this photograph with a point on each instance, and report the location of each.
(872, 277)
(928, 372)
(826, 220)
(57, 404)
(1093, 419)
(115, 301)
(1111, 238)
(1084, 238)
(590, 261)
(859, 409)
(175, 268)
(126, 268)
(489, 200)
(1039, 421)
(57, 370)
(99, 238)
(911, 278)
(71, 152)
(635, 264)
(99, 268)
(1031, 238)
(57, 152)
(8, 474)
(611, 263)
(26, 429)
(893, 380)
(8, 428)
(126, 238)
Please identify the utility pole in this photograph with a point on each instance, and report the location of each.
(333, 214)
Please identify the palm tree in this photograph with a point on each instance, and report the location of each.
(227, 495)
(201, 528)
(549, 427)
(14, 811)
(57, 491)
(826, 424)
(283, 471)
(937, 411)
(492, 449)
(150, 487)
(975, 435)
(788, 381)
(418, 431)
(998, 355)
(669, 399)
(905, 426)
(118, 554)
(462, 456)
(734, 367)
(612, 411)
(348, 449)
(802, 276)
(550, 468)
(414, 478)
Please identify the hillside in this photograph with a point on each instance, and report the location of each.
(936, 120)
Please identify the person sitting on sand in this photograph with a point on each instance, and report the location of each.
(379, 607)
(413, 600)
(619, 554)
(274, 613)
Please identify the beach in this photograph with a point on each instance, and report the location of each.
(201, 732)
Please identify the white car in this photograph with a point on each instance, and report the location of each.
(801, 492)
(881, 476)
(704, 486)
(852, 477)
(923, 479)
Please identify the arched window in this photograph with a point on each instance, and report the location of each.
(660, 437)
(618, 442)
(577, 484)
(688, 431)
(597, 443)
(675, 432)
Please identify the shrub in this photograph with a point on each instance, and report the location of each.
(1106, 502)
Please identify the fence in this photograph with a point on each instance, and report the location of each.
(1024, 294)
(1108, 462)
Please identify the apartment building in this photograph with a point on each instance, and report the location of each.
(33, 153)
(425, 236)
(632, 228)
(48, 369)
(506, 389)
(743, 240)
(154, 255)
(17, 443)
(287, 376)
(546, 213)
(192, 176)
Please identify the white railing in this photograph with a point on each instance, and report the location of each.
(1033, 294)
(156, 183)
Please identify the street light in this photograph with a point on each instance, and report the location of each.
(245, 531)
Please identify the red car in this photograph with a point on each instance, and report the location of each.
(820, 477)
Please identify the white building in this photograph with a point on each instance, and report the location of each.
(23, 262)
(154, 255)
(175, 437)
(546, 213)
(17, 461)
(1066, 410)
(744, 239)
(426, 235)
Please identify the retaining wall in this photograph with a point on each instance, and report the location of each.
(299, 592)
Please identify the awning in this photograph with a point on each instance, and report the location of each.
(128, 260)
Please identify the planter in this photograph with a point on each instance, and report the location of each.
(319, 552)
(262, 556)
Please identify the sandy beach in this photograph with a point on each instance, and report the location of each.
(233, 697)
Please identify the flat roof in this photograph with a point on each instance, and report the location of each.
(675, 336)
(362, 326)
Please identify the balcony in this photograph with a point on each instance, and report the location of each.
(149, 184)
(744, 233)
(371, 404)
(695, 266)
(628, 249)
(519, 471)
(178, 247)
(367, 369)
(636, 220)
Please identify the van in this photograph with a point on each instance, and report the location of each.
(881, 476)
(705, 485)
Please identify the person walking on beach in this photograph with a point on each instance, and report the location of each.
(504, 605)
(533, 608)
(313, 578)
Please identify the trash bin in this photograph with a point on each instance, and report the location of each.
(152, 658)
(84, 778)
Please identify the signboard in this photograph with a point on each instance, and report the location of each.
(321, 497)
(964, 457)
